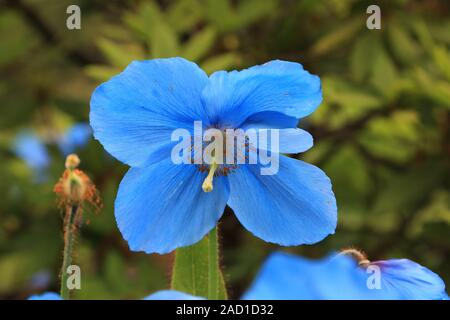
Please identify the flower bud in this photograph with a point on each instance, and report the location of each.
(75, 187)
(72, 161)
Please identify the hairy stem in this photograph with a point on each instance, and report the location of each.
(70, 229)
(197, 270)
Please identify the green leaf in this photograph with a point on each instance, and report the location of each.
(404, 47)
(219, 12)
(396, 137)
(436, 90)
(384, 73)
(403, 193)
(196, 269)
(438, 210)
(119, 55)
(337, 37)
(347, 167)
(345, 102)
(152, 25)
(15, 44)
(253, 10)
(199, 45)
(441, 57)
(184, 14)
(228, 17)
(163, 41)
(361, 54)
(142, 21)
(422, 33)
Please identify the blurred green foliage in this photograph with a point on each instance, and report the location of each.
(382, 133)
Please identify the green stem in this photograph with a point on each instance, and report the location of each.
(69, 236)
(197, 271)
(213, 257)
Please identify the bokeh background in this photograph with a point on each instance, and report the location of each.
(382, 132)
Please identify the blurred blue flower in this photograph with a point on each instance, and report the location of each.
(337, 277)
(74, 138)
(46, 296)
(40, 279)
(161, 206)
(171, 295)
(30, 148)
(160, 295)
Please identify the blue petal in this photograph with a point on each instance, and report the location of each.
(277, 86)
(401, 279)
(32, 150)
(270, 120)
(408, 280)
(295, 206)
(337, 277)
(290, 141)
(75, 137)
(46, 296)
(171, 295)
(295, 140)
(281, 278)
(134, 113)
(163, 207)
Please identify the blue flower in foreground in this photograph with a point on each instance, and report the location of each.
(46, 296)
(30, 148)
(160, 205)
(74, 138)
(337, 277)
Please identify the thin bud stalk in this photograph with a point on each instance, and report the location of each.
(70, 229)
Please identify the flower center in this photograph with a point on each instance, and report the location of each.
(220, 144)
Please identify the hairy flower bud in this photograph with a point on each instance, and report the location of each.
(75, 187)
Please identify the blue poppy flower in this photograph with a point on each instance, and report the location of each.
(160, 205)
(30, 148)
(77, 136)
(46, 296)
(338, 277)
